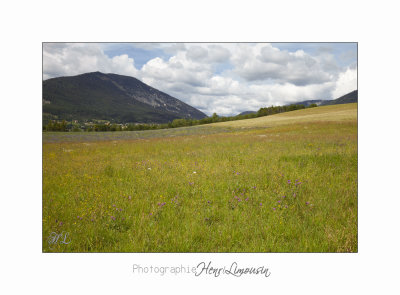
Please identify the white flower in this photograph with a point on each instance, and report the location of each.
(149, 168)
(194, 172)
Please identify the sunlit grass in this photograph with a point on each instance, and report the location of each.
(289, 187)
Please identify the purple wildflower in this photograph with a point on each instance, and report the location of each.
(112, 217)
(260, 204)
(273, 208)
(307, 203)
(239, 200)
(247, 199)
(283, 197)
(279, 201)
(61, 223)
(289, 181)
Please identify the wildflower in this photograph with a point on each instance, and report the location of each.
(283, 197)
(289, 181)
(194, 172)
(307, 203)
(208, 202)
(61, 223)
(239, 200)
(149, 168)
(254, 187)
(247, 199)
(113, 205)
(279, 201)
(112, 217)
(151, 213)
(273, 208)
(260, 204)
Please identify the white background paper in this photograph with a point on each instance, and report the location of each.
(26, 24)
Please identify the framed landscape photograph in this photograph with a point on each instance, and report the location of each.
(200, 147)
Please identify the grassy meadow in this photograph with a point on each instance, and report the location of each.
(281, 183)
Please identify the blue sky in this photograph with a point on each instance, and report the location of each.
(140, 55)
(226, 78)
(343, 52)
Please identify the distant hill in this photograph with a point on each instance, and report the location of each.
(246, 113)
(306, 103)
(348, 98)
(111, 97)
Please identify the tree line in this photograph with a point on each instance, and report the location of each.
(67, 126)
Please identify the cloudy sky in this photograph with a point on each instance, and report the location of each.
(225, 78)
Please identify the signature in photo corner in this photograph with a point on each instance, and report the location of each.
(61, 238)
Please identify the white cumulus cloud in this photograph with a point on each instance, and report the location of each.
(78, 58)
(226, 78)
(346, 83)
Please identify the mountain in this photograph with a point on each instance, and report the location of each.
(111, 97)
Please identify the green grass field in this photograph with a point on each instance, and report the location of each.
(281, 183)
